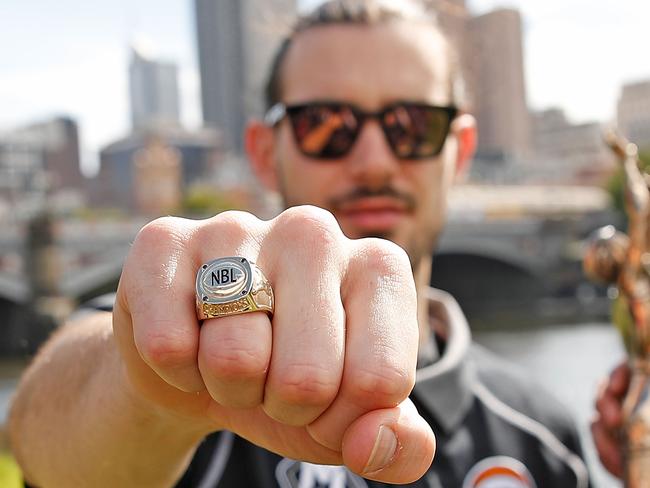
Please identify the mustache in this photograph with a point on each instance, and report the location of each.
(362, 192)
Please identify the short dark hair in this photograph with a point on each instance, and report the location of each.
(362, 12)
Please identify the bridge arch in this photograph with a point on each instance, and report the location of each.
(488, 287)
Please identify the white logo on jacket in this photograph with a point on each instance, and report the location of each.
(296, 474)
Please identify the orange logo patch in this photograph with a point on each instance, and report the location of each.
(499, 472)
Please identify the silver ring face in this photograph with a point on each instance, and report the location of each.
(224, 280)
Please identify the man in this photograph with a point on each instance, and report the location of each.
(362, 122)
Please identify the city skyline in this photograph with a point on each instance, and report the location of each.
(74, 60)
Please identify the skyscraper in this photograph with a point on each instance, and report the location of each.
(500, 89)
(154, 91)
(236, 40)
(490, 48)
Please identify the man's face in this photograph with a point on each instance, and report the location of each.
(369, 190)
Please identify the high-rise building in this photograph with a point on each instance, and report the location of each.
(490, 52)
(236, 41)
(453, 17)
(500, 90)
(634, 113)
(154, 91)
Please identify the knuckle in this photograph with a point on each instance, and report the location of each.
(235, 218)
(166, 351)
(163, 230)
(229, 228)
(386, 267)
(387, 385)
(157, 247)
(231, 359)
(309, 227)
(305, 385)
(299, 214)
(385, 257)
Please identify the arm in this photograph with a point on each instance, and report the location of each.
(75, 408)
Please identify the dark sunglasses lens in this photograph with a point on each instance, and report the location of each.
(324, 131)
(416, 131)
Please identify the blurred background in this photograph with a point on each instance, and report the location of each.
(114, 113)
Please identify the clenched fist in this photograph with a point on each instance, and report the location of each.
(326, 379)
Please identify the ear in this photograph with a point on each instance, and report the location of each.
(464, 128)
(259, 142)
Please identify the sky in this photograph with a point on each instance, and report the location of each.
(70, 57)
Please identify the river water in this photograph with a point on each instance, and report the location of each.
(566, 360)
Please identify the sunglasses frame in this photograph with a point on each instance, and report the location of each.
(279, 111)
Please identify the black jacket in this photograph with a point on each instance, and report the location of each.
(494, 429)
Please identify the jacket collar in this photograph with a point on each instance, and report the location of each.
(444, 387)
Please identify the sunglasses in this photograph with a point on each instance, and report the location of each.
(328, 130)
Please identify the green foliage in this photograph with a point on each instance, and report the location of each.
(91, 214)
(203, 201)
(615, 184)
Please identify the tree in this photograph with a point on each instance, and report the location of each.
(205, 201)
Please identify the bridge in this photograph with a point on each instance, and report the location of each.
(514, 253)
(515, 242)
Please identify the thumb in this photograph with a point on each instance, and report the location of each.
(393, 445)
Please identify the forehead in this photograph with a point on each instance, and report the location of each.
(368, 65)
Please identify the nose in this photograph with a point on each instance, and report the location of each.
(371, 161)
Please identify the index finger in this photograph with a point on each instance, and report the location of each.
(156, 293)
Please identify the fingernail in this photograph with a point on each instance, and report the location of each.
(383, 451)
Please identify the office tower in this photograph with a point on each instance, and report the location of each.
(453, 18)
(491, 57)
(500, 90)
(154, 91)
(634, 113)
(236, 40)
